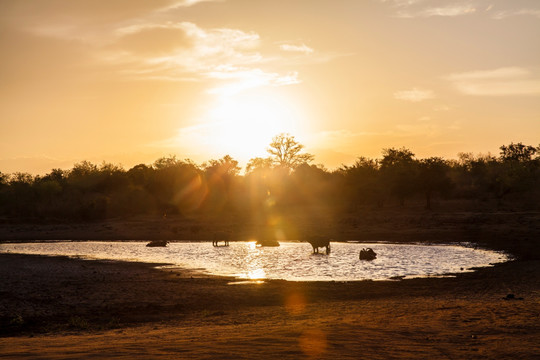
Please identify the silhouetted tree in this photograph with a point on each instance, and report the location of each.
(140, 175)
(221, 178)
(517, 171)
(398, 171)
(178, 186)
(224, 166)
(259, 164)
(517, 152)
(309, 185)
(273, 189)
(3, 179)
(166, 162)
(433, 177)
(362, 183)
(57, 175)
(285, 151)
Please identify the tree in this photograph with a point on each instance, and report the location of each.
(362, 183)
(166, 162)
(517, 171)
(285, 152)
(259, 164)
(57, 175)
(398, 170)
(3, 179)
(433, 176)
(517, 152)
(224, 166)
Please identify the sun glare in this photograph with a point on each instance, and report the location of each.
(243, 125)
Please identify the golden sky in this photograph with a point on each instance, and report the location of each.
(128, 81)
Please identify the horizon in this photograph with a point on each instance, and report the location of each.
(129, 83)
(201, 164)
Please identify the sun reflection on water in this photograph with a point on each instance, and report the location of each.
(256, 274)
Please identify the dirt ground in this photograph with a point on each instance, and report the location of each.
(61, 308)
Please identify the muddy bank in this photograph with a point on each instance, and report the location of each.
(82, 306)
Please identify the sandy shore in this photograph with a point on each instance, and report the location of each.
(61, 308)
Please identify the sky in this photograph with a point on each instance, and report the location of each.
(129, 81)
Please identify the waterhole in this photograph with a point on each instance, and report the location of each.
(291, 261)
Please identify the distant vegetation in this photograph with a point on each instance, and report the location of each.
(286, 179)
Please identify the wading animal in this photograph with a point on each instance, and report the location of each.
(367, 254)
(319, 242)
(221, 236)
(157, 243)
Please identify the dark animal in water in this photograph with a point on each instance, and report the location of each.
(157, 243)
(367, 254)
(221, 236)
(319, 242)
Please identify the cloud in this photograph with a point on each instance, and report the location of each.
(445, 11)
(157, 40)
(296, 48)
(425, 8)
(403, 3)
(186, 3)
(503, 14)
(142, 42)
(508, 81)
(432, 8)
(248, 79)
(452, 10)
(414, 95)
(85, 20)
(186, 50)
(501, 73)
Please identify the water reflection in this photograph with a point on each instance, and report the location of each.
(291, 261)
(256, 274)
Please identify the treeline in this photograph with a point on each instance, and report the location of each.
(284, 180)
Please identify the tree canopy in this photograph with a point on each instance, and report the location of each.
(285, 151)
(283, 180)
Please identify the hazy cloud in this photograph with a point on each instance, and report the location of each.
(248, 79)
(89, 21)
(497, 82)
(187, 50)
(138, 40)
(501, 73)
(296, 48)
(445, 11)
(155, 40)
(403, 3)
(186, 3)
(452, 10)
(414, 95)
(502, 14)
(430, 8)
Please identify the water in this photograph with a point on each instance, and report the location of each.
(291, 261)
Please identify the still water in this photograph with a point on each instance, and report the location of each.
(291, 261)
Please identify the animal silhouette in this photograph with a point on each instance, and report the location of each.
(157, 243)
(221, 236)
(367, 254)
(319, 242)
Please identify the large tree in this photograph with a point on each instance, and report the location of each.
(398, 170)
(518, 152)
(433, 177)
(285, 151)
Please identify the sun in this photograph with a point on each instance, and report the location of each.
(243, 125)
